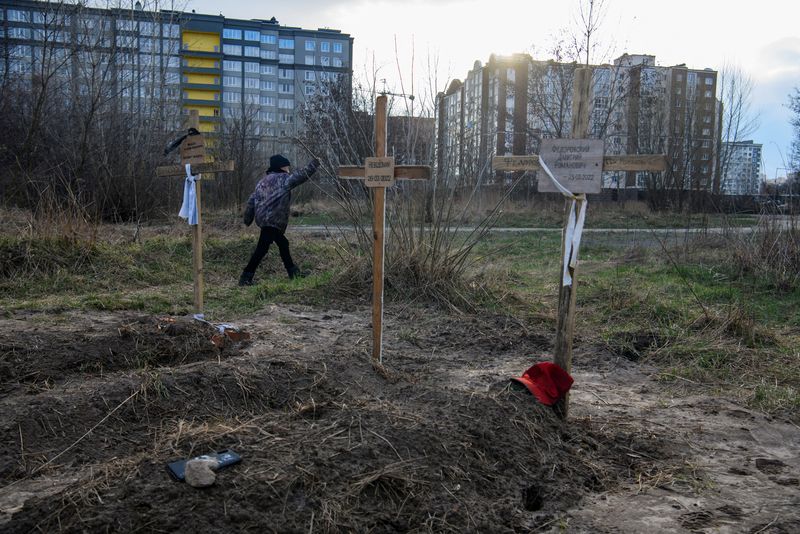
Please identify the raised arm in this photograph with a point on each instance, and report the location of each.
(300, 176)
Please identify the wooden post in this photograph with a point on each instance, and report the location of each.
(195, 156)
(565, 327)
(197, 230)
(378, 227)
(379, 173)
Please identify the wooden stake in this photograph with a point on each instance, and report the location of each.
(378, 227)
(197, 231)
(565, 328)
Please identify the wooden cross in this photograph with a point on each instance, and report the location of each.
(379, 173)
(193, 153)
(574, 159)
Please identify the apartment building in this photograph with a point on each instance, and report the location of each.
(741, 168)
(508, 105)
(219, 66)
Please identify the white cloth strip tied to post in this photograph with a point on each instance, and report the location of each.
(189, 206)
(574, 230)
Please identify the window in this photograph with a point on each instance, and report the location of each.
(707, 94)
(249, 66)
(251, 83)
(170, 46)
(267, 69)
(308, 89)
(232, 97)
(706, 131)
(148, 28)
(251, 98)
(337, 48)
(704, 169)
(231, 81)
(267, 86)
(19, 33)
(252, 51)
(679, 77)
(267, 100)
(286, 88)
(285, 118)
(285, 103)
(173, 62)
(286, 74)
(268, 39)
(707, 119)
(337, 62)
(147, 45)
(230, 33)
(15, 15)
(709, 81)
(325, 46)
(706, 144)
(233, 66)
(250, 35)
(309, 60)
(232, 50)
(309, 76)
(172, 30)
(311, 46)
(285, 58)
(286, 43)
(269, 54)
(678, 90)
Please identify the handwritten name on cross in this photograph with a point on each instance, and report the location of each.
(193, 154)
(576, 164)
(379, 173)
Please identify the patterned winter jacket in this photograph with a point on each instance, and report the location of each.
(269, 203)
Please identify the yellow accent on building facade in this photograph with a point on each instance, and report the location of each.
(201, 79)
(193, 41)
(200, 42)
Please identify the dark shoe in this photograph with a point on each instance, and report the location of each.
(295, 272)
(246, 279)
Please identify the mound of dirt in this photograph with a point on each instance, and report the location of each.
(329, 440)
(39, 357)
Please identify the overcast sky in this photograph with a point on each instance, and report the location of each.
(762, 38)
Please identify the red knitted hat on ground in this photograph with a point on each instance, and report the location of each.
(547, 381)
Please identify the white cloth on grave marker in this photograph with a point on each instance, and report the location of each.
(189, 206)
(574, 230)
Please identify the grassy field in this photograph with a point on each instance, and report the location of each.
(685, 308)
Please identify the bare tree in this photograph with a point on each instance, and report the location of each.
(739, 121)
(794, 153)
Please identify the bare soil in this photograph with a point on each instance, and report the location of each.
(93, 406)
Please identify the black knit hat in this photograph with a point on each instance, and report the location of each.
(278, 162)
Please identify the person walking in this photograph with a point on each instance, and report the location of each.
(269, 207)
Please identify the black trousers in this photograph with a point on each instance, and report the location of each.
(267, 237)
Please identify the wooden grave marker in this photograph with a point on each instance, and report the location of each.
(578, 164)
(378, 173)
(193, 153)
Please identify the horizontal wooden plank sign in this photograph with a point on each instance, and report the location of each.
(379, 172)
(576, 163)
